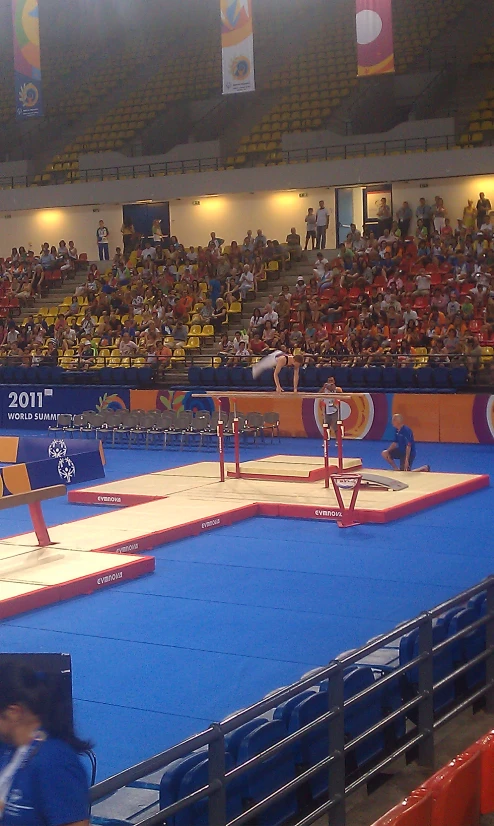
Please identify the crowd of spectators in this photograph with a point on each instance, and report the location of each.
(389, 296)
(25, 276)
(141, 309)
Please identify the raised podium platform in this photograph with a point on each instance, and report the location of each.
(290, 468)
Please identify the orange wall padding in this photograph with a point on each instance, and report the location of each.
(456, 421)
(421, 413)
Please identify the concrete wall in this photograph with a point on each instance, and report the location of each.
(409, 130)
(375, 170)
(455, 193)
(182, 152)
(32, 228)
(14, 169)
(230, 216)
(265, 198)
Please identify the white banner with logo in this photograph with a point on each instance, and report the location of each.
(237, 44)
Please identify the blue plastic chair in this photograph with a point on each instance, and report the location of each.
(236, 376)
(196, 778)
(357, 376)
(131, 376)
(363, 714)
(284, 710)
(314, 746)
(266, 379)
(270, 775)
(458, 377)
(469, 646)
(479, 603)
(249, 379)
(406, 377)
(323, 374)
(442, 665)
(207, 377)
(424, 377)
(341, 376)
(373, 376)
(390, 377)
(172, 778)
(222, 377)
(195, 376)
(308, 378)
(286, 378)
(440, 377)
(235, 737)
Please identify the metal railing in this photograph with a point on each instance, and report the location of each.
(132, 170)
(417, 743)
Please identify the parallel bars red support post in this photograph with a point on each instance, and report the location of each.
(339, 439)
(326, 437)
(236, 441)
(221, 442)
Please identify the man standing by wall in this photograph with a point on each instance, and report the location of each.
(322, 224)
(404, 215)
(102, 236)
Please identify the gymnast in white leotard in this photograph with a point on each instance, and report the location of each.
(277, 361)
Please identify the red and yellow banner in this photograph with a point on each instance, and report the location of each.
(237, 45)
(375, 51)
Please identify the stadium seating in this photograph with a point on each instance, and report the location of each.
(376, 379)
(305, 105)
(454, 796)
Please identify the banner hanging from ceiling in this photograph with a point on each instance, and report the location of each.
(237, 46)
(375, 49)
(27, 59)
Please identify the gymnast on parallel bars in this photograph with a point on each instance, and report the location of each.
(277, 361)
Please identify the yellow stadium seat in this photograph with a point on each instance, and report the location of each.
(208, 331)
(178, 355)
(193, 343)
(235, 308)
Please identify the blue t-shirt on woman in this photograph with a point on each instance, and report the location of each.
(49, 789)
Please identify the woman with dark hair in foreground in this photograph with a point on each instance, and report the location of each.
(42, 779)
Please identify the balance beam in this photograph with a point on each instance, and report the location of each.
(33, 499)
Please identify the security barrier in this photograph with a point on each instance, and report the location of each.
(303, 750)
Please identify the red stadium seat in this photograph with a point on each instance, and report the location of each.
(456, 792)
(415, 810)
(486, 746)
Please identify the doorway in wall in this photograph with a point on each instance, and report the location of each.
(349, 210)
(143, 215)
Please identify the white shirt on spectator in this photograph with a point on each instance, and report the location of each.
(272, 317)
(423, 281)
(410, 315)
(149, 252)
(322, 217)
(319, 266)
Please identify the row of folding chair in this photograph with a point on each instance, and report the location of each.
(123, 428)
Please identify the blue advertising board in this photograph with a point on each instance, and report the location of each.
(30, 407)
